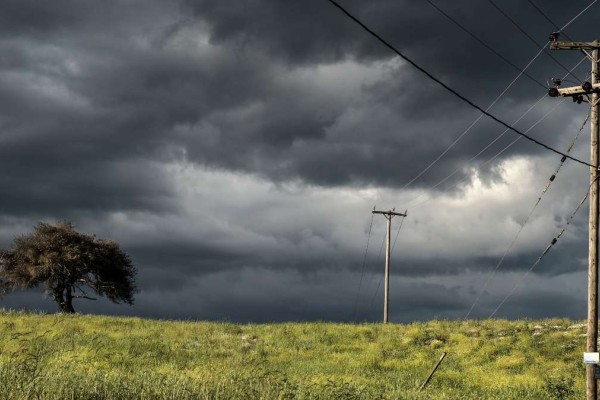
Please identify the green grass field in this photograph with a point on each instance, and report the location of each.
(96, 357)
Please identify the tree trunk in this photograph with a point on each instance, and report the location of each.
(65, 303)
(69, 301)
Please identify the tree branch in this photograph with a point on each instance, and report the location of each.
(84, 297)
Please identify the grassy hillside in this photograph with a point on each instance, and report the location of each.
(96, 357)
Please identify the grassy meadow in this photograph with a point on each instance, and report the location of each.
(97, 357)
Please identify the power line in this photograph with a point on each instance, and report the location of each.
(510, 85)
(516, 237)
(492, 142)
(378, 258)
(578, 15)
(561, 30)
(484, 44)
(468, 129)
(530, 38)
(552, 243)
(397, 234)
(449, 89)
(545, 16)
(480, 152)
(362, 273)
(498, 154)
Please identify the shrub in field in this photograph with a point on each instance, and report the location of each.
(559, 387)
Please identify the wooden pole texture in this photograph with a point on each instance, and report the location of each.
(589, 91)
(386, 299)
(592, 327)
(388, 215)
(432, 372)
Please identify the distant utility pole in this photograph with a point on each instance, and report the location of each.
(587, 92)
(388, 215)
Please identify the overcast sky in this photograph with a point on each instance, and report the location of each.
(236, 149)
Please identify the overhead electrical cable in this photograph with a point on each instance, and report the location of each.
(362, 273)
(516, 237)
(578, 15)
(378, 258)
(410, 203)
(552, 243)
(543, 14)
(378, 261)
(449, 89)
(561, 30)
(397, 234)
(488, 145)
(466, 131)
(484, 44)
(524, 32)
(502, 151)
(423, 171)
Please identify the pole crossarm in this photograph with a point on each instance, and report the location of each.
(560, 45)
(577, 90)
(391, 213)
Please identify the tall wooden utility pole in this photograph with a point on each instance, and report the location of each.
(388, 215)
(588, 92)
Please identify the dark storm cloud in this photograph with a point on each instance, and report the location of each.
(98, 102)
(112, 82)
(310, 150)
(36, 17)
(315, 32)
(93, 187)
